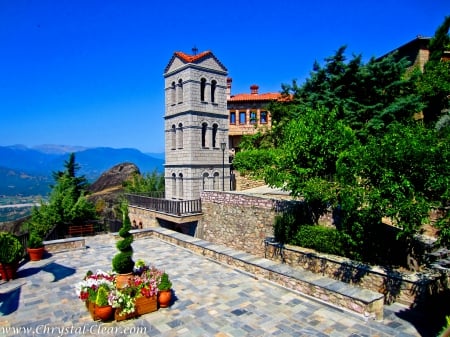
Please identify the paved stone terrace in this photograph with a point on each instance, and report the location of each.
(211, 300)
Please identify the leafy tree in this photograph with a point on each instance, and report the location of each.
(366, 97)
(434, 85)
(149, 182)
(67, 201)
(347, 138)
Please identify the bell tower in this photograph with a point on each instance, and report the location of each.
(196, 125)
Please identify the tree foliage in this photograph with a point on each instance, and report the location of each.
(434, 86)
(347, 138)
(67, 202)
(148, 182)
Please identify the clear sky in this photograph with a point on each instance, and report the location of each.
(90, 72)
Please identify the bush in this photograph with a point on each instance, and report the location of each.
(323, 239)
(35, 241)
(165, 283)
(11, 250)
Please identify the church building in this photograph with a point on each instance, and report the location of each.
(196, 126)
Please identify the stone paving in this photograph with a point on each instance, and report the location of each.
(211, 299)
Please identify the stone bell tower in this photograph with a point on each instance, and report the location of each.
(196, 125)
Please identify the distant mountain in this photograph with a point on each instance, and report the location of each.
(13, 182)
(58, 149)
(93, 162)
(28, 170)
(157, 155)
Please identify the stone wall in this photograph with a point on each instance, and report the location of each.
(244, 182)
(237, 220)
(242, 222)
(142, 218)
(62, 245)
(405, 288)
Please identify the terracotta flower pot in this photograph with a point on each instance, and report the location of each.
(122, 280)
(8, 270)
(35, 254)
(164, 298)
(104, 313)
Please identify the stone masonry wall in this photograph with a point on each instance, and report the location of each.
(244, 182)
(242, 222)
(142, 218)
(405, 288)
(238, 221)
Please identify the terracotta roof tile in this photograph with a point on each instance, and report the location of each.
(192, 58)
(270, 96)
(186, 58)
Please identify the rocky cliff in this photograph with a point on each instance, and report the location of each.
(106, 191)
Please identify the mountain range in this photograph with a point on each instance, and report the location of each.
(28, 171)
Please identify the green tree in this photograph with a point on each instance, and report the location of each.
(67, 202)
(367, 97)
(148, 182)
(434, 86)
(347, 138)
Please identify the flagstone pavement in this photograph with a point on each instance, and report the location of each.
(211, 299)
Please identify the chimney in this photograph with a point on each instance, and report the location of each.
(254, 89)
(229, 80)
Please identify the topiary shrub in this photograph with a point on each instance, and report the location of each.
(11, 250)
(122, 262)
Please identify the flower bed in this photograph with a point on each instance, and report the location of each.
(137, 298)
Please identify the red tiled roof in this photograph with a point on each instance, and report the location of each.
(191, 58)
(270, 96)
(186, 58)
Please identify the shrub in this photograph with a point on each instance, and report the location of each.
(323, 239)
(11, 250)
(165, 283)
(35, 241)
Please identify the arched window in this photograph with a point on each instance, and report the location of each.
(180, 186)
(216, 184)
(180, 136)
(173, 137)
(202, 89)
(204, 130)
(173, 91)
(214, 135)
(174, 185)
(205, 181)
(180, 90)
(213, 90)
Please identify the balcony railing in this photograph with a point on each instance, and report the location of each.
(173, 207)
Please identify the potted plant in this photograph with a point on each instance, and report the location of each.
(87, 290)
(103, 309)
(122, 262)
(11, 252)
(145, 280)
(164, 291)
(124, 301)
(35, 247)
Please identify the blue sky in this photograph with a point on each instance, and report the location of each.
(90, 72)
